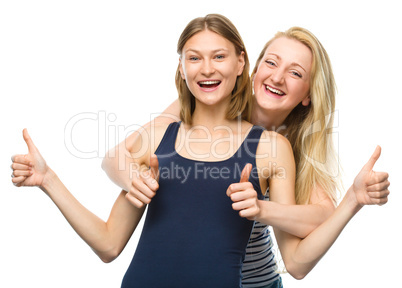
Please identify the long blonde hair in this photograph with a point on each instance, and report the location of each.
(309, 128)
(241, 94)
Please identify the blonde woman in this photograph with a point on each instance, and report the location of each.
(295, 95)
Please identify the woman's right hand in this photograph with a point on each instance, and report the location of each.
(144, 184)
(29, 169)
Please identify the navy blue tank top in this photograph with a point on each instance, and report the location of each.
(191, 236)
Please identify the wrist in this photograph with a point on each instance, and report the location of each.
(48, 180)
(351, 202)
(263, 214)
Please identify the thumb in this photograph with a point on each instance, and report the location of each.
(31, 146)
(373, 159)
(245, 174)
(154, 166)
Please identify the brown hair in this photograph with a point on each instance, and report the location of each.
(241, 94)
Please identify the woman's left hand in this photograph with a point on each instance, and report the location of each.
(370, 187)
(244, 196)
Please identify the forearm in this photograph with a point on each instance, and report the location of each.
(88, 226)
(119, 166)
(306, 253)
(298, 220)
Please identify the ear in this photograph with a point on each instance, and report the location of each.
(181, 70)
(241, 63)
(306, 101)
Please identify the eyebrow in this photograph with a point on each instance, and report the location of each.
(292, 64)
(213, 51)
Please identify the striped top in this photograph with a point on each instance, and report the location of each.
(259, 266)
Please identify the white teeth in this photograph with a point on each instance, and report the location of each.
(274, 90)
(209, 82)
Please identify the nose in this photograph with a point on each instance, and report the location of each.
(278, 76)
(208, 67)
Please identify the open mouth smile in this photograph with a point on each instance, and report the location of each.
(273, 92)
(209, 84)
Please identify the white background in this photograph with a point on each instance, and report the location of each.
(97, 59)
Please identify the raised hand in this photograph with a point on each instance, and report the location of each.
(371, 187)
(144, 185)
(29, 169)
(244, 196)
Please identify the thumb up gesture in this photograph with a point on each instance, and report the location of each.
(145, 184)
(244, 196)
(371, 187)
(28, 169)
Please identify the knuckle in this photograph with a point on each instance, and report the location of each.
(230, 189)
(135, 181)
(132, 191)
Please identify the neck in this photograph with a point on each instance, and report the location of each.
(269, 119)
(210, 116)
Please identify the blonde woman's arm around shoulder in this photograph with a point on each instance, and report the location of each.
(119, 162)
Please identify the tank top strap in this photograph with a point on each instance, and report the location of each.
(167, 145)
(249, 146)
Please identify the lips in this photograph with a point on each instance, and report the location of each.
(274, 92)
(209, 84)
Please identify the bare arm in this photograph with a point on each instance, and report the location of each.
(107, 239)
(119, 162)
(300, 256)
(299, 220)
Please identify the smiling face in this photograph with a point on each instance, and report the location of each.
(210, 66)
(283, 76)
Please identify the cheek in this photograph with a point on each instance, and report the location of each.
(300, 91)
(261, 75)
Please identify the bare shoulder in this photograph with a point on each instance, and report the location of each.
(274, 153)
(170, 114)
(143, 143)
(272, 143)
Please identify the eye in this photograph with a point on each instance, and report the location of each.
(297, 74)
(270, 62)
(193, 58)
(219, 57)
